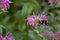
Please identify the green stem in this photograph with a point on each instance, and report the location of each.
(27, 29)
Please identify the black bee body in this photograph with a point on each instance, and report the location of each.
(43, 22)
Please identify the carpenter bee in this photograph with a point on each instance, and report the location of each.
(42, 21)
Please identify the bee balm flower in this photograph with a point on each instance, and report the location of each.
(49, 33)
(53, 1)
(37, 20)
(7, 37)
(52, 35)
(58, 1)
(5, 4)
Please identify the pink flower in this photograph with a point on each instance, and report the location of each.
(41, 16)
(1, 38)
(7, 37)
(51, 34)
(5, 4)
(36, 20)
(58, 35)
(31, 21)
(51, 2)
(58, 1)
(1, 6)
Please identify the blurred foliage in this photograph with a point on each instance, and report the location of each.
(15, 19)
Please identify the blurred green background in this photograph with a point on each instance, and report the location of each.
(14, 21)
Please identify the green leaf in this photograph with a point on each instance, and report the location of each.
(30, 8)
(5, 20)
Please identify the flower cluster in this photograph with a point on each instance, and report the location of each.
(52, 35)
(7, 37)
(37, 20)
(4, 4)
(53, 1)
